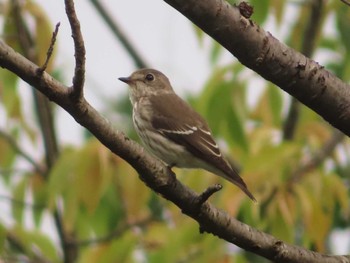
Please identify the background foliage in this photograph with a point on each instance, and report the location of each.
(296, 165)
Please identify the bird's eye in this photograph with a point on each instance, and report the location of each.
(149, 77)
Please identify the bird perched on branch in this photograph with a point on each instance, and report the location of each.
(172, 130)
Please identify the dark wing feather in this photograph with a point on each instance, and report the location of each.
(180, 123)
(176, 120)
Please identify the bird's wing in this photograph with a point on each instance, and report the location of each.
(176, 120)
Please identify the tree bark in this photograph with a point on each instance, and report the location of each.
(301, 77)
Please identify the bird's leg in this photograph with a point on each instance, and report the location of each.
(204, 196)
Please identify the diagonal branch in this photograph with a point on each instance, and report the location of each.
(22, 203)
(156, 175)
(318, 157)
(12, 142)
(301, 77)
(346, 2)
(117, 233)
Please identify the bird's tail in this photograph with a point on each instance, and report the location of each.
(230, 174)
(234, 178)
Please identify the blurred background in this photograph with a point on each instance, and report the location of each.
(65, 198)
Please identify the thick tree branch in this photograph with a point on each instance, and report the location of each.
(156, 175)
(257, 49)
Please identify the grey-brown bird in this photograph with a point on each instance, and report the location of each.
(172, 130)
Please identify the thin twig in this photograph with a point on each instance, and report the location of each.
(346, 2)
(318, 157)
(21, 246)
(310, 164)
(50, 50)
(292, 119)
(119, 34)
(308, 46)
(79, 51)
(12, 142)
(8, 171)
(22, 203)
(115, 234)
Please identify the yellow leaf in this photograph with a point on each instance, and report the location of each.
(285, 209)
(134, 193)
(93, 173)
(43, 33)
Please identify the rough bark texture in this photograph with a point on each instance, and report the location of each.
(257, 49)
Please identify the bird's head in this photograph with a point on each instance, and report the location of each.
(147, 82)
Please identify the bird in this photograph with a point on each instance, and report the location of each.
(172, 130)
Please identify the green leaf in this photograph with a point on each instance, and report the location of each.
(276, 104)
(119, 250)
(216, 50)
(9, 95)
(223, 103)
(235, 127)
(3, 238)
(18, 207)
(62, 185)
(261, 10)
(105, 219)
(199, 34)
(43, 32)
(268, 110)
(60, 177)
(39, 191)
(94, 173)
(343, 18)
(278, 7)
(35, 239)
(7, 155)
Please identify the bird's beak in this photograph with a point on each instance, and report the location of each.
(127, 80)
